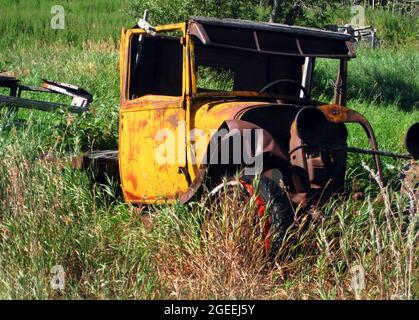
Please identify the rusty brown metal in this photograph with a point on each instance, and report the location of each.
(296, 41)
(103, 163)
(316, 173)
(305, 140)
(341, 83)
(374, 152)
(80, 98)
(299, 165)
(211, 169)
(197, 30)
(340, 114)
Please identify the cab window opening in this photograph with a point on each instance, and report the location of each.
(155, 66)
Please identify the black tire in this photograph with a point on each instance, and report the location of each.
(279, 215)
(280, 212)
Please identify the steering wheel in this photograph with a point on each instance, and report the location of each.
(275, 82)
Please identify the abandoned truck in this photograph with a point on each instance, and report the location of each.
(182, 84)
(204, 99)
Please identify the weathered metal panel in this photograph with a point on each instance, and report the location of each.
(145, 176)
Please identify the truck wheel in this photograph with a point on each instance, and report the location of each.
(272, 205)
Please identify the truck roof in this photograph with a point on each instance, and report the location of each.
(273, 38)
(267, 26)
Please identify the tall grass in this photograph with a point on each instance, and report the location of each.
(394, 29)
(26, 21)
(318, 256)
(95, 68)
(386, 76)
(51, 217)
(54, 216)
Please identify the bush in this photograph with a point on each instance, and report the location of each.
(170, 11)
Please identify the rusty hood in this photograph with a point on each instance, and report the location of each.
(210, 115)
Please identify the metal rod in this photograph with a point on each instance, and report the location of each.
(35, 104)
(359, 150)
(374, 152)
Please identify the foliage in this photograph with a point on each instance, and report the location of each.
(394, 27)
(312, 12)
(169, 11)
(383, 76)
(28, 21)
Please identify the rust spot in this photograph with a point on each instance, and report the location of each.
(335, 113)
(133, 180)
(173, 120)
(130, 196)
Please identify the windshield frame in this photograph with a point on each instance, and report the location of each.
(306, 81)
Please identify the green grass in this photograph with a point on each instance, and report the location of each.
(393, 29)
(386, 76)
(50, 216)
(84, 21)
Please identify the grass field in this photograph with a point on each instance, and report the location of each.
(53, 217)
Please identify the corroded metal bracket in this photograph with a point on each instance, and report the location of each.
(80, 102)
(339, 114)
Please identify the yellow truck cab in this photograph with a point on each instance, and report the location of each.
(210, 107)
(182, 83)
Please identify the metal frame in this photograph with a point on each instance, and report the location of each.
(197, 28)
(81, 99)
(191, 104)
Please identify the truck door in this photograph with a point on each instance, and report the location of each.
(152, 118)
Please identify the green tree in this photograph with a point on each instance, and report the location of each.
(303, 12)
(307, 12)
(169, 11)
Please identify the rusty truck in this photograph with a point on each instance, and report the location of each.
(206, 98)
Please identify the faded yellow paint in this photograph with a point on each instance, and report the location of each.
(210, 116)
(144, 179)
(122, 61)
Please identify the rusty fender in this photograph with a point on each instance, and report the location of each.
(315, 175)
(339, 114)
(273, 155)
